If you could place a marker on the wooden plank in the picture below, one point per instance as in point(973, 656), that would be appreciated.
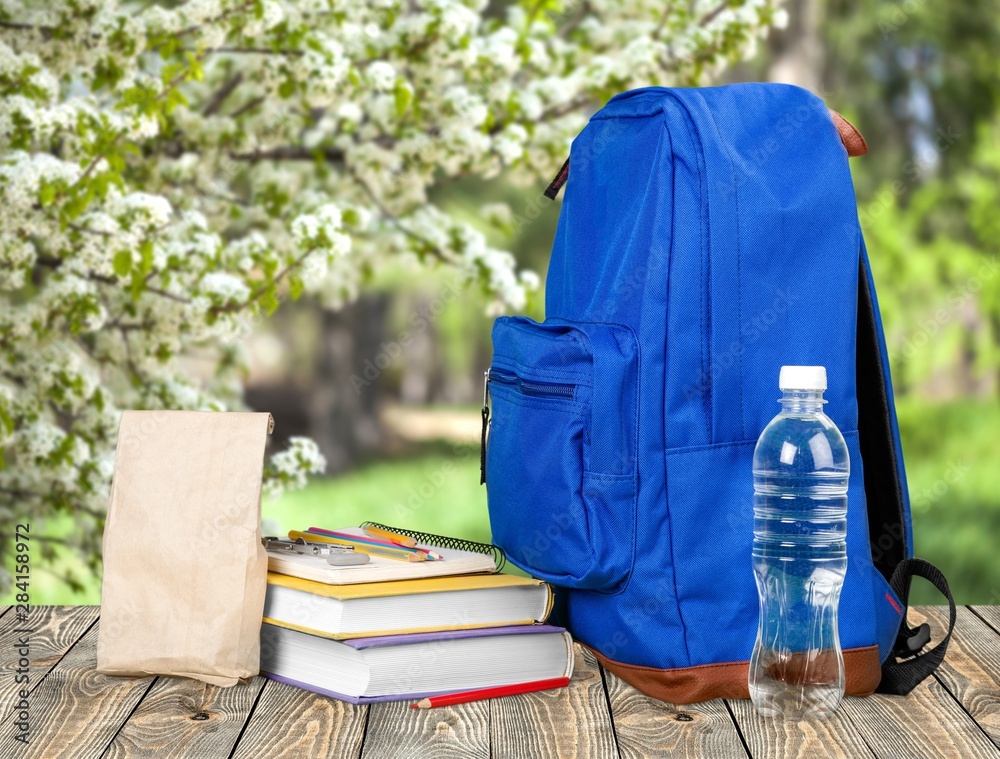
point(926, 723)
point(971, 668)
point(568, 722)
point(54, 630)
point(184, 717)
point(648, 727)
point(989, 613)
point(289, 723)
point(74, 711)
point(452, 732)
point(775, 738)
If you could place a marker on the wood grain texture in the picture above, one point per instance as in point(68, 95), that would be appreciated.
point(75, 711)
point(451, 732)
point(971, 668)
point(289, 723)
point(184, 717)
point(54, 630)
point(648, 727)
point(568, 723)
point(926, 723)
point(776, 738)
point(989, 613)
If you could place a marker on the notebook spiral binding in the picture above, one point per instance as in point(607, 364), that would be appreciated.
point(443, 541)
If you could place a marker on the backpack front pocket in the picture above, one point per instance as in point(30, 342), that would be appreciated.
point(560, 460)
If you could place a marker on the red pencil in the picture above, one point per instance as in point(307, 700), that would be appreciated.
point(484, 693)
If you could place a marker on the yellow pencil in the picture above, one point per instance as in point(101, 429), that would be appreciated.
point(392, 537)
point(400, 554)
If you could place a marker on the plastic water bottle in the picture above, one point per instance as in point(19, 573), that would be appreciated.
point(800, 472)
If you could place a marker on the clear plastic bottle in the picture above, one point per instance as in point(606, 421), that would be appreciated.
point(800, 473)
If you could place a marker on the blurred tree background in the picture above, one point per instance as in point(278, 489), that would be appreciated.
point(921, 81)
point(172, 172)
point(390, 386)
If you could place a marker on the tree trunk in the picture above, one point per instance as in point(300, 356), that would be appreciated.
point(349, 364)
point(797, 50)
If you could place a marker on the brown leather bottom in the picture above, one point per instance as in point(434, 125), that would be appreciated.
point(689, 685)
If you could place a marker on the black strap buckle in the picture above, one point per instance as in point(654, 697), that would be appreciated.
point(908, 667)
point(911, 643)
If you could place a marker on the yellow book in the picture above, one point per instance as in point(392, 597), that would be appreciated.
point(389, 608)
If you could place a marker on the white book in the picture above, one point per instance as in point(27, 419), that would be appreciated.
point(400, 667)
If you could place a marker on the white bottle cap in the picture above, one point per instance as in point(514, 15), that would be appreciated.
point(802, 378)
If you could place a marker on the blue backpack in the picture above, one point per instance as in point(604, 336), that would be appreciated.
point(707, 237)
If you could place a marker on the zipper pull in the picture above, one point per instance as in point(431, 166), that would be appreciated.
point(486, 424)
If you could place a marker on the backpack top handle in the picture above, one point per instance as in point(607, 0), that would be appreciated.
point(853, 141)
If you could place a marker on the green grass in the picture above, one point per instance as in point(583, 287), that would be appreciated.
point(953, 474)
point(436, 491)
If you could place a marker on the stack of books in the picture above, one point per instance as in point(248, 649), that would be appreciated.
point(393, 629)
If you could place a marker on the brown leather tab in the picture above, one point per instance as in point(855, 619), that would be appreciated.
point(849, 135)
point(689, 685)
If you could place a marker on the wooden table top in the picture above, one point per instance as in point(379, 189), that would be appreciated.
point(76, 712)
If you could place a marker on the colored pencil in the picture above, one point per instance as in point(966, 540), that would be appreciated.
point(400, 554)
point(432, 555)
point(363, 546)
point(392, 537)
point(360, 538)
point(484, 693)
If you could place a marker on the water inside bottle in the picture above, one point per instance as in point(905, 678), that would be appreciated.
point(801, 473)
point(798, 670)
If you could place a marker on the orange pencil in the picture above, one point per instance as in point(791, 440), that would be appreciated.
point(484, 693)
point(392, 537)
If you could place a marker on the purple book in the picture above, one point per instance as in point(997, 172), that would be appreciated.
point(416, 638)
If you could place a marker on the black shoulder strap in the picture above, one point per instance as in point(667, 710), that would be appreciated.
point(906, 667)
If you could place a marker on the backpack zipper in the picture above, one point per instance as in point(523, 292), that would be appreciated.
point(486, 426)
point(526, 387)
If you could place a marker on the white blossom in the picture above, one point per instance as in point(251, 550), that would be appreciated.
point(321, 230)
point(289, 468)
point(529, 280)
point(170, 172)
point(381, 75)
point(225, 287)
point(350, 112)
point(141, 208)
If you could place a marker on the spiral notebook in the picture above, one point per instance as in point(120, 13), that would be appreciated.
point(459, 557)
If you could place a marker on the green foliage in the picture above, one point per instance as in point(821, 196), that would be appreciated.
point(950, 453)
point(900, 68)
point(935, 253)
point(949, 450)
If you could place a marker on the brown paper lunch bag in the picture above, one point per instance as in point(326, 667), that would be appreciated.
point(184, 569)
